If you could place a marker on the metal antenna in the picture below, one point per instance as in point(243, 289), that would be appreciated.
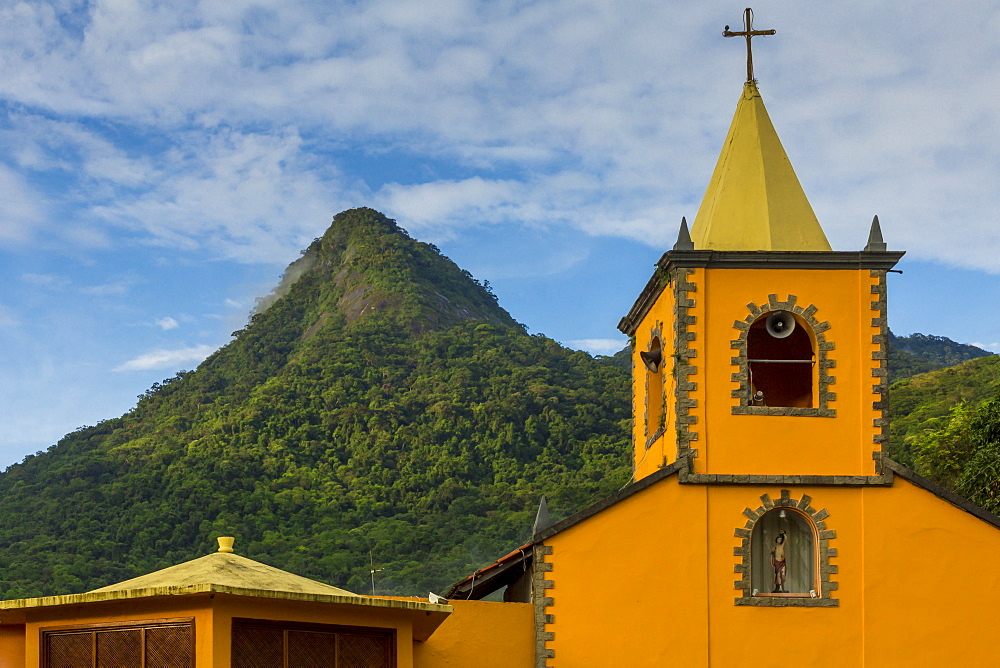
point(371, 559)
point(749, 33)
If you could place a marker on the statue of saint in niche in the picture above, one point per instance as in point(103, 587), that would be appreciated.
point(783, 554)
point(778, 563)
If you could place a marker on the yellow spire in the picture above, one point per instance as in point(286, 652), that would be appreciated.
point(754, 200)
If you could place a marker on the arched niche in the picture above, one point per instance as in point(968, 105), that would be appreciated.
point(788, 534)
point(808, 580)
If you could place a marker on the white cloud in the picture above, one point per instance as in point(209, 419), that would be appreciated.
point(441, 202)
point(114, 289)
point(21, 212)
point(219, 121)
point(166, 359)
point(45, 280)
point(8, 318)
point(245, 196)
point(167, 323)
point(598, 346)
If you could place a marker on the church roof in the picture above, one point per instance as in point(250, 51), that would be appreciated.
point(754, 200)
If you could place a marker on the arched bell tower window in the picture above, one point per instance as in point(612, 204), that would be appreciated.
point(652, 361)
point(783, 359)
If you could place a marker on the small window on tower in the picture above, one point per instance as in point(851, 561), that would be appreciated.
point(652, 360)
point(781, 361)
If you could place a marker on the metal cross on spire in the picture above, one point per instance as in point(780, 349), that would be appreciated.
point(749, 33)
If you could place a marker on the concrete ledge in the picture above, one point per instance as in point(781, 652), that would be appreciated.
point(686, 478)
point(782, 410)
point(787, 602)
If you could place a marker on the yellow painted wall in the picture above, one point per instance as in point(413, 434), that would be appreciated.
point(663, 450)
point(756, 444)
point(650, 581)
point(12, 645)
point(483, 634)
point(778, 444)
point(630, 583)
point(759, 636)
point(931, 581)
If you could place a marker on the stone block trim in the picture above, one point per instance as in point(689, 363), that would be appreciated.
point(824, 362)
point(683, 369)
point(822, 538)
point(880, 364)
point(542, 604)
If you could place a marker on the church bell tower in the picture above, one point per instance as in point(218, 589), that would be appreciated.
point(758, 350)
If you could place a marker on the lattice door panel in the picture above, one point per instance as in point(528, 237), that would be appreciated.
point(258, 647)
point(167, 643)
point(364, 651)
point(70, 650)
point(263, 644)
point(119, 649)
point(169, 647)
point(309, 649)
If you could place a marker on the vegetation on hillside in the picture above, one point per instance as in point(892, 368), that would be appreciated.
point(945, 425)
point(384, 408)
point(920, 353)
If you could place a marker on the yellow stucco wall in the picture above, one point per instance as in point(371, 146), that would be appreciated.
point(814, 636)
point(646, 460)
point(484, 634)
point(650, 581)
point(748, 444)
point(931, 581)
point(758, 444)
point(12, 645)
point(629, 583)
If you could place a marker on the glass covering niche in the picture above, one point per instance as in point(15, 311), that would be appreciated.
point(781, 362)
point(783, 555)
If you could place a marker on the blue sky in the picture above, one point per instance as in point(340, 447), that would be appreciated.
point(161, 162)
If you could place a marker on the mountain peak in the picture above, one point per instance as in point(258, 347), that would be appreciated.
point(365, 265)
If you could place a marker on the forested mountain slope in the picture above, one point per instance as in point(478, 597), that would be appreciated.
point(380, 406)
point(946, 425)
point(920, 353)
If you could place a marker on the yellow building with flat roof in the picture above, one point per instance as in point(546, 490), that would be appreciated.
point(225, 610)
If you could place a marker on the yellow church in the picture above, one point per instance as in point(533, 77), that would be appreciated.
point(763, 525)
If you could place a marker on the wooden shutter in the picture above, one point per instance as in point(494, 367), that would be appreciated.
point(147, 644)
point(364, 651)
point(266, 644)
point(69, 650)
